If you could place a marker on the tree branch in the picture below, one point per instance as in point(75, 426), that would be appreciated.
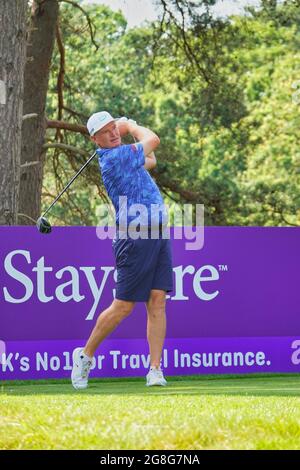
point(92, 34)
point(61, 74)
point(186, 46)
point(175, 187)
point(66, 147)
point(29, 116)
point(27, 164)
point(75, 113)
point(53, 124)
point(26, 217)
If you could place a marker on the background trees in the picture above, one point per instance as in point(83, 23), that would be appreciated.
point(223, 94)
point(12, 63)
point(41, 37)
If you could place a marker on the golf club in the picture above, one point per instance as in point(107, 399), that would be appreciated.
point(42, 223)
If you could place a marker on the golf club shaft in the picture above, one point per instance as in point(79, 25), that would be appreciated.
point(70, 182)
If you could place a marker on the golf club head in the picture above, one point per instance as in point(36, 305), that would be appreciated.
point(43, 225)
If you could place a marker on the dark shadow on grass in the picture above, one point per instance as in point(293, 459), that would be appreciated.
point(258, 386)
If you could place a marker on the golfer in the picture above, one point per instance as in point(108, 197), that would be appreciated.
point(144, 264)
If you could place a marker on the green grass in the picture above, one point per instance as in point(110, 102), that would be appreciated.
point(211, 412)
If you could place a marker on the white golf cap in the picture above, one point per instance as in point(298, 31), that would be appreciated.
point(97, 121)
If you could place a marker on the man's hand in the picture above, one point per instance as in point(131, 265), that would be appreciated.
point(124, 125)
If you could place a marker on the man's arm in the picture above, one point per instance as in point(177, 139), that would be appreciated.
point(148, 139)
point(145, 136)
point(150, 161)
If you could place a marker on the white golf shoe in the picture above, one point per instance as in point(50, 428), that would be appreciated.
point(155, 377)
point(81, 369)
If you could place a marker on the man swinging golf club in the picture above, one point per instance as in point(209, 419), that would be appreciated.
point(144, 264)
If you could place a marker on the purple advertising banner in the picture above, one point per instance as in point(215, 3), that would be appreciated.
point(235, 306)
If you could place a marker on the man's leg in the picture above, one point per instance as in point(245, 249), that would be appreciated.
point(107, 321)
point(156, 325)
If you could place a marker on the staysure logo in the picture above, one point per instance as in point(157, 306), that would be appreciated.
point(35, 282)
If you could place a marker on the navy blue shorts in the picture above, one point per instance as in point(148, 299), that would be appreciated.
point(142, 265)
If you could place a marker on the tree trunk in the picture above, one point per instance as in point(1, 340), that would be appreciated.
point(12, 64)
point(44, 16)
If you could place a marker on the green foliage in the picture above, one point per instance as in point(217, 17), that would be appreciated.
point(227, 115)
